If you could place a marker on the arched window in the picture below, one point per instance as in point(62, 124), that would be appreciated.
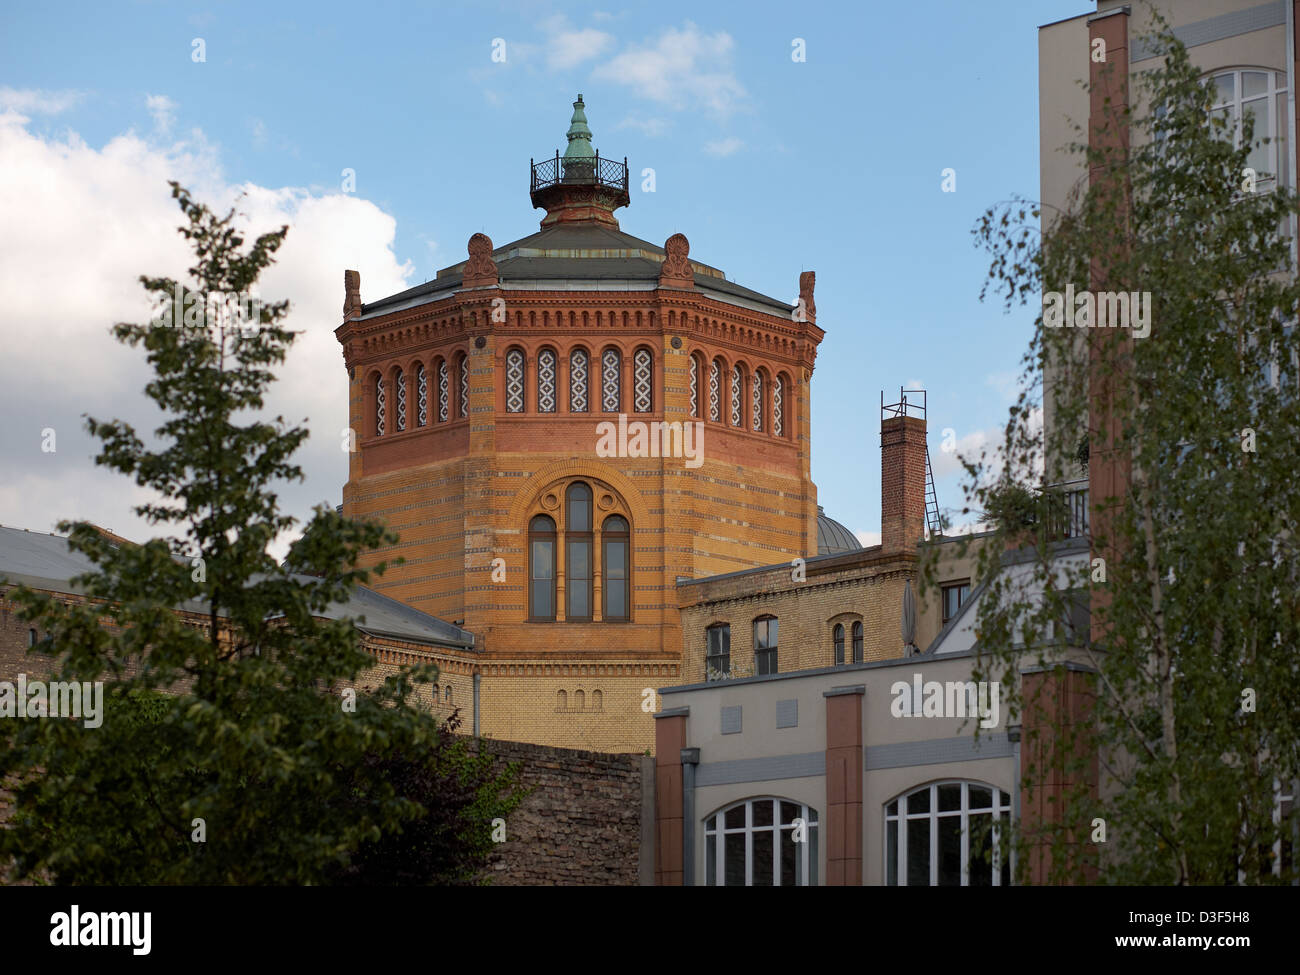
point(380, 407)
point(421, 395)
point(717, 651)
point(577, 552)
point(765, 633)
point(579, 700)
point(561, 701)
point(857, 642)
point(613, 560)
point(400, 383)
point(462, 367)
point(546, 381)
point(446, 694)
point(515, 381)
point(947, 834)
point(611, 391)
point(597, 701)
point(578, 381)
point(1261, 95)
point(737, 395)
point(541, 568)
point(756, 397)
point(695, 386)
point(31, 638)
point(444, 392)
point(839, 643)
point(768, 842)
point(437, 695)
point(642, 381)
point(715, 391)
point(778, 405)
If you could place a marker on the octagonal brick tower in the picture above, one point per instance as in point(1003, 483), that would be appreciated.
point(561, 427)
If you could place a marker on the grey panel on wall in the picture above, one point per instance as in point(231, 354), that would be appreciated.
point(731, 720)
point(787, 713)
point(937, 750)
point(737, 770)
point(1217, 28)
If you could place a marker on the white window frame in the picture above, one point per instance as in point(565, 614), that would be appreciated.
point(1001, 803)
point(1279, 175)
point(720, 832)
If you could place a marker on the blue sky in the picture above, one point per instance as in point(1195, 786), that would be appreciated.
point(769, 166)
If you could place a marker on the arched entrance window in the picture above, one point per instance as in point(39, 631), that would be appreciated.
point(947, 834)
point(767, 842)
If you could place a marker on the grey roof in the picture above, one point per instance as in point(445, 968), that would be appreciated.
point(45, 561)
point(575, 252)
point(832, 537)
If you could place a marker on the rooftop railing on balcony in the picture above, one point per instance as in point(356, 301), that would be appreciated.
point(582, 171)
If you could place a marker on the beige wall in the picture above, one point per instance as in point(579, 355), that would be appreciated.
point(760, 738)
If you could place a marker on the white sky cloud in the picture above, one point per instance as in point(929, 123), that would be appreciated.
point(163, 110)
point(723, 147)
point(567, 48)
point(91, 221)
point(37, 102)
point(684, 68)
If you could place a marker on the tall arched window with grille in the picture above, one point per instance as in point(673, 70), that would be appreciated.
point(381, 406)
point(462, 367)
point(715, 391)
point(515, 381)
point(444, 392)
point(421, 395)
point(577, 552)
point(546, 381)
point(642, 381)
point(737, 395)
point(778, 405)
point(756, 406)
point(614, 557)
point(579, 381)
point(541, 568)
point(695, 386)
point(611, 389)
point(400, 383)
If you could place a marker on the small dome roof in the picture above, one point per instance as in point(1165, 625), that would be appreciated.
point(832, 537)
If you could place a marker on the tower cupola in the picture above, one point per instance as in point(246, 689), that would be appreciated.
point(579, 186)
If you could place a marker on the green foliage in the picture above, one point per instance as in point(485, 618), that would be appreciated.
point(250, 736)
point(1198, 601)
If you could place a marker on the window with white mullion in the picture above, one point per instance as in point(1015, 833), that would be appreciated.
point(928, 836)
point(749, 840)
point(1262, 94)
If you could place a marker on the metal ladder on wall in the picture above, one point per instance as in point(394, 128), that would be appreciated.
point(933, 521)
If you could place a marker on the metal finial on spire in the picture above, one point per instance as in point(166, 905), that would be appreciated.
point(579, 134)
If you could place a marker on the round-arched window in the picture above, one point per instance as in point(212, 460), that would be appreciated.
point(766, 842)
point(948, 834)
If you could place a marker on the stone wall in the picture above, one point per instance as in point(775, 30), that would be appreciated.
point(588, 820)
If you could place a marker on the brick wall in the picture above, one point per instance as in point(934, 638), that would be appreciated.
point(582, 824)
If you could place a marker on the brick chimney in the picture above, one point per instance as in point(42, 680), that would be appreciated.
point(902, 481)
